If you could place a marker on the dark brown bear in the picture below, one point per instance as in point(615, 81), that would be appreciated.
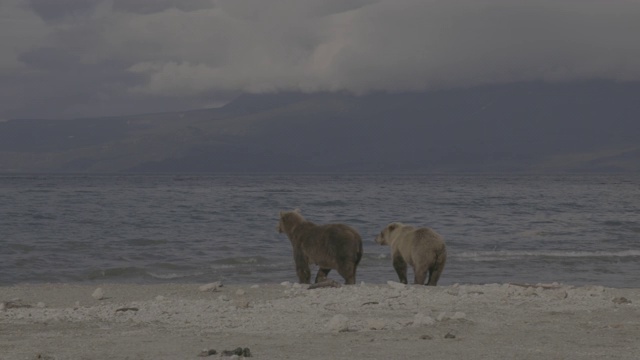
point(331, 246)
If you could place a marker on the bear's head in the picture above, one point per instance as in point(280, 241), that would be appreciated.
point(385, 235)
point(288, 220)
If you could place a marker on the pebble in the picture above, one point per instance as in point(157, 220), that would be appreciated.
point(159, 298)
point(285, 283)
point(442, 316)
point(41, 305)
point(450, 335)
point(210, 286)
point(240, 292)
point(396, 285)
point(207, 352)
point(621, 300)
point(242, 304)
point(458, 315)
point(255, 286)
point(338, 323)
point(421, 319)
point(237, 352)
point(98, 294)
point(376, 324)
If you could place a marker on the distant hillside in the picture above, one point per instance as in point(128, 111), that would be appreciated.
point(586, 127)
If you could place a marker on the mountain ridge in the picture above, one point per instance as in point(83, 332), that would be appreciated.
point(526, 127)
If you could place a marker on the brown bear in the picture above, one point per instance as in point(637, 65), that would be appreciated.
point(422, 248)
point(330, 246)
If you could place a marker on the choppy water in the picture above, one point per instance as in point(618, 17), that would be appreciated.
point(574, 229)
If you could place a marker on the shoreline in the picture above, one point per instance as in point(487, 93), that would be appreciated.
point(289, 321)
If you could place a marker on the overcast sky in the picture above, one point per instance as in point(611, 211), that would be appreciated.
point(76, 58)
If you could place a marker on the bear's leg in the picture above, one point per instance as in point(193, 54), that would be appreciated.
point(302, 268)
point(434, 274)
point(420, 274)
point(348, 272)
point(322, 275)
point(436, 270)
point(401, 267)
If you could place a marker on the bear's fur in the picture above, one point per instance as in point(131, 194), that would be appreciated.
point(422, 248)
point(331, 246)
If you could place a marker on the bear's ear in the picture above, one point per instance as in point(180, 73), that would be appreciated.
point(296, 210)
point(392, 226)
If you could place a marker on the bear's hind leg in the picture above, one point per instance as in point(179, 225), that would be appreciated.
point(436, 270)
point(420, 274)
point(401, 267)
point(434, 275)
point(348, 272)
point(322, 275)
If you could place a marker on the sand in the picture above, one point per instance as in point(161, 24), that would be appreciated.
point(290, 321)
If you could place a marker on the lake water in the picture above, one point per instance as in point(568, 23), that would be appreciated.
point(572, 229)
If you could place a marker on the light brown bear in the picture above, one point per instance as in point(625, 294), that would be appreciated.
point(331, 246)
point(422, 248)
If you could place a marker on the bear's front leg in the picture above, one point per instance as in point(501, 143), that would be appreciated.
point(302, 268)
point(401, 267)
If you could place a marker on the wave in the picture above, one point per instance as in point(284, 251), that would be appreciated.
point(119, 272)
point(511, 255)
point(242, 260)
point(172, 276)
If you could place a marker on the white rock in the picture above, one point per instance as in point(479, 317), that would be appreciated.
point(458, 315)
point(376, 324)
point(285, 283)
point(255, 286)
point(3, 306)
point(223, 298)
point(338, 323)
point(421, 319)
point(98, 294)
point(453, 291)
point(396, 285)
point(442, 316)
point(41, 305)
point(210, 286)
point(240, 292)
point(159, 298)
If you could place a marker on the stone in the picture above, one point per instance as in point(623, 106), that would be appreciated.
point(98, 294)
point(376, 324)
point(207, 352)
point(338, 323)
point(458, 315)
point(396, 285)
point(214, 286)
point(621, 300)
point(421, 319)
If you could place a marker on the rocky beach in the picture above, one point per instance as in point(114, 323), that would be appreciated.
point(291, 321)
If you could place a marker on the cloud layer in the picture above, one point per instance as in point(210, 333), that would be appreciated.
point(107, 57)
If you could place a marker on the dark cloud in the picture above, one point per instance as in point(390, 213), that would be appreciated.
point(54, 10)
point(153, 6)
point(100, 57)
